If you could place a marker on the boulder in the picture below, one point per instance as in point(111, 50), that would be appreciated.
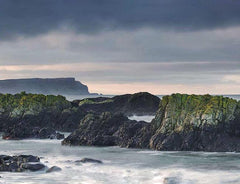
point(53, 169)
point(171, 180)
point(46, 133)
point(89, 160)
point(32, 166)
point(20, 163)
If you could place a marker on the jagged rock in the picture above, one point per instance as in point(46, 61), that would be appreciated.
point(183, 122)
point(53, 169)
point(96, 130)
point(106, 130)
point(89, 160)
point(197, 123)
point(27, 115)
point(24, 130)
point(20, 163)
point(32, 166)
point(46, 133)
point(22, 115)
point(131, 104)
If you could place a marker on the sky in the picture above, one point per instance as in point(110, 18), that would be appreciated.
point(126, 46)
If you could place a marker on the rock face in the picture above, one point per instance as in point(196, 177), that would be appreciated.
point(136, 104)
point(50, 86)
point(39, 116)
point(106, 130)
point(22, 131)
point(198, 123)
point(20, 163)
point(33, 115)
point(183, 122)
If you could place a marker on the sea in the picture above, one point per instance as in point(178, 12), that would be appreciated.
point(121, 165)
point(79, 97)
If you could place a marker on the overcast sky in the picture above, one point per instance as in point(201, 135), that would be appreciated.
point(124, 46)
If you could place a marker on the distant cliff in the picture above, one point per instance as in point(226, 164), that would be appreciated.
point(55, 86)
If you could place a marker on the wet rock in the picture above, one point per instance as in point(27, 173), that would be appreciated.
point(32, 166)
point(171, 180)
point(28, 158)
point(20, 163)
point(59, 136)
point(196, 123)
point(46, 133)
point(142, 103)
point(53, 169)
point(108, 129)
point(89, 160)
point(23, 131)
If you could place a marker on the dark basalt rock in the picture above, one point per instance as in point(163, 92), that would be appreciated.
point(38, 116)
point(106, 130)
point(20, 163)
point(53, 169)
point(24, 115)
point(182, 123)
point(32, 167)
point(197, 123)
point(89, 160)
point(131, 104)
point(24, 130)
point(46, 133)
point(96, 130)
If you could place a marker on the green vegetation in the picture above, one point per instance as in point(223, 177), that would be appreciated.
point(182, 112)
point(23, 103)
point(91, 101)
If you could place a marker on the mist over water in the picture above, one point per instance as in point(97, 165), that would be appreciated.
point(121, 165)
point(147, 119)
point(79, 97)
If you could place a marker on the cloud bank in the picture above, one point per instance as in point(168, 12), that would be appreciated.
point(30, 18)
point(124, 46)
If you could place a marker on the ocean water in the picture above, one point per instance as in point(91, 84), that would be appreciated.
point(79, 97)
point(147, 119)
point(121, 165)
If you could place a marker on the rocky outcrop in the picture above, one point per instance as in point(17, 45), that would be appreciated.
point(48, 86)
point(130, 104)
point(182, 123)
point(30, 115)
point(20, 163)
point(106, 130)
point(197, 123)
point(37, 116)
point(23, 131)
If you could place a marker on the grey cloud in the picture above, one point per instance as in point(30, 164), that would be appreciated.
point(163, 73)
point(144, 45)
point(33, 17)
